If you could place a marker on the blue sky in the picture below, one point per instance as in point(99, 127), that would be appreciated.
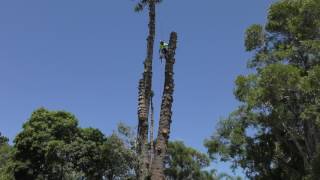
point(86, 57)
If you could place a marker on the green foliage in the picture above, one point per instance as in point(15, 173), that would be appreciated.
point(3, 140)
point(98, 156)
point(254, 37)
point(42, 146)
point(297, 19)
point(184, 163)
point(120, 160)
point(86, 153)
point(5, 153)
point(52, 146)
point(275, 131)
point(290, 35)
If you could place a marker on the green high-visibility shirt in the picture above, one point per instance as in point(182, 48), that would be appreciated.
point(164, 45)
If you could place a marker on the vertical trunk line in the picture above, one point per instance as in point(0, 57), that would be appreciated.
point(157, 172)
point(146, 81)
point(151, 133)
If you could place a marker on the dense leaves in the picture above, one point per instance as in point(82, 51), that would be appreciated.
point(254, 37)
point(274, 134)
point(42, 146)
point(3, 140)
point(52, 146)
point(5, 150)
point(183, 163)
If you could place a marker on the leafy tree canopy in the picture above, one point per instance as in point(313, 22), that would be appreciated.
point(52, 146)
point(184, 162)
point(274, 133)
point(5, 150)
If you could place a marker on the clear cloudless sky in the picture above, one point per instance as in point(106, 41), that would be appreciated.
point(86, 57)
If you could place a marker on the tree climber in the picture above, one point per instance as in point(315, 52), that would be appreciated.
point(163, 49)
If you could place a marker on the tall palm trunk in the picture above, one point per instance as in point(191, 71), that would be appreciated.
point(157, 172)
point(151, 133)
point(145, 88)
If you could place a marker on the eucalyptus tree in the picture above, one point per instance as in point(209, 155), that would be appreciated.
point(274, 134)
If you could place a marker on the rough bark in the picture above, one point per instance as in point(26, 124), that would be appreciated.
point(142, 126)
point(145, 89)
point(157, 172)
point(151, 148)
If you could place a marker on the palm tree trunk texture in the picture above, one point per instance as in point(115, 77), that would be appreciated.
point(157, 172)
point(151, 134)
point(145, 89)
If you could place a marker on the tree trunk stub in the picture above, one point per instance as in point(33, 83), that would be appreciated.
point(144, 107)
point(157, 172)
